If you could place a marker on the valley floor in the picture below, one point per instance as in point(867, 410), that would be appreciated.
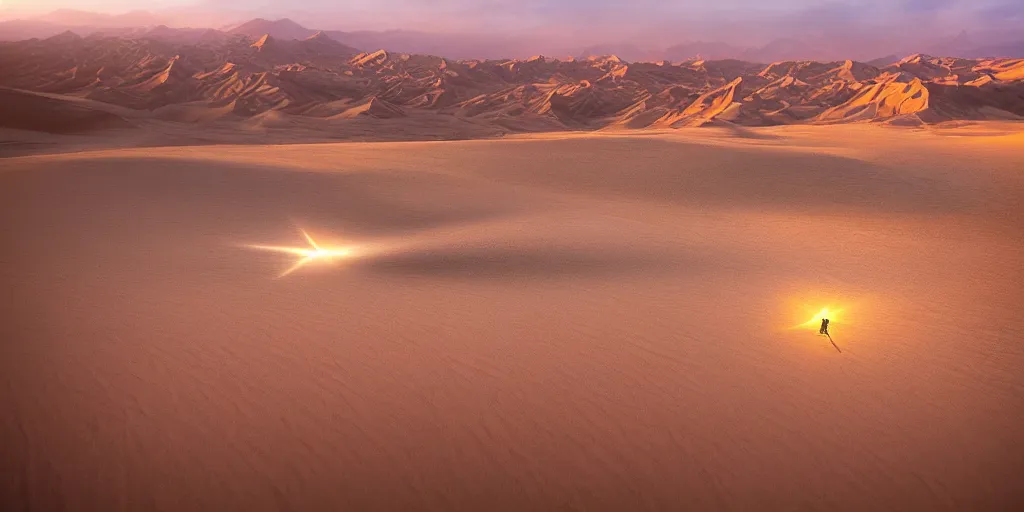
point(583, 321)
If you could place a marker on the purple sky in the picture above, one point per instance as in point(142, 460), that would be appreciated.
point(644, 22)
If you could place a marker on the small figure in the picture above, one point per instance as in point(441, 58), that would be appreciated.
point(824, 327)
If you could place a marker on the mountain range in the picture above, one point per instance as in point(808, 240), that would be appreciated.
point(271, 73)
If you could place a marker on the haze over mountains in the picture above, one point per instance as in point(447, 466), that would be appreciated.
point(280, 75)
point(818, 34)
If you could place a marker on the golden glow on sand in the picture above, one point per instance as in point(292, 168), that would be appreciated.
point(306, 255)
point(834, 316)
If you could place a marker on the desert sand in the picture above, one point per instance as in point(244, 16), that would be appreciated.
point(598, 321)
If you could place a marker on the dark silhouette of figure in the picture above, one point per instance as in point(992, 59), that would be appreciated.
point(824, 331)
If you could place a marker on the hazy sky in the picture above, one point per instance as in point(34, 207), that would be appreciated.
point(742, 21)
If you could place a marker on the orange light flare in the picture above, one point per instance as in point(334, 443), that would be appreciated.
point(314, 253)
point(834, 315)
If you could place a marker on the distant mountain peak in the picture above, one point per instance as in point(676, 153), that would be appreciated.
point(64, 37)
point(915, 58)
point(263, 41)
point(319, 36)
point(281, 29)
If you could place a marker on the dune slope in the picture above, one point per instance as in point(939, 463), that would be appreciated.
point(20, 110)
point(598, 322)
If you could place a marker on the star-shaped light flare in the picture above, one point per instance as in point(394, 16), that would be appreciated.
point(307, 255)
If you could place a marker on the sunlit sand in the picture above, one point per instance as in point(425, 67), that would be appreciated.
point(609, 321)
point(306, 255)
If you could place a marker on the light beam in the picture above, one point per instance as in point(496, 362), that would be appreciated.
point(306, 255)
point(814, 323)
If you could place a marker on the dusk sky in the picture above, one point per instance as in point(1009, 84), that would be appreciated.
point(737, 21)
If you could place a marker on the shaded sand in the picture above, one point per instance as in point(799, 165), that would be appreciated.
point(571, 322)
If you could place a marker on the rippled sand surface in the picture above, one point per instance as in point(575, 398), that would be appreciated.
point(600, 322)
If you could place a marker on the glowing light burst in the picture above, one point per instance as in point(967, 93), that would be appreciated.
point(307, 255)
point(834, 316)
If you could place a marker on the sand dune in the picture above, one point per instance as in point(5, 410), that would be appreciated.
point(561, 321)
point(26, 111)
point(373, 108)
